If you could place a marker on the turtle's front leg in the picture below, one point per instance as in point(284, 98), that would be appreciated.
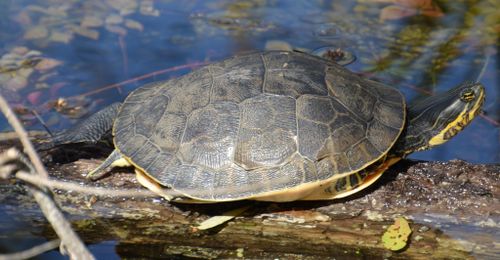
point(90, 130)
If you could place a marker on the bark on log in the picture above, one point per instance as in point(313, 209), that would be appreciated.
point(453, 208)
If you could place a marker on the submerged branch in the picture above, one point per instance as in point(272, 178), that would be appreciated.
point(34, 251)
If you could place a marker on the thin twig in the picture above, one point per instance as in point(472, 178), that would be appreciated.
point(72, 243)
point(23, 136)
point(490, 120)
point(123, 50)
point(70, 240)
point(483, 69)
point(42, 122)
point(97, 191)
point(32, 252)
point(145, 76)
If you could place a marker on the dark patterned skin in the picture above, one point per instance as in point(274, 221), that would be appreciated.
point(258, 124)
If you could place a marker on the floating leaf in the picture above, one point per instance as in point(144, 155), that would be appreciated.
point(85, 32)
point(64, 37)
point(394, 12)
point(91, 21)
point(117, 29)
point(147, 8)
point(32, 53)
point(75, 108)
point(414, 3)
point(124, 6)
point(36, 8)
point(404, 8)
point(36, 32)
point(45, 77)
point(20, 50)
point(19, 62)
point(134, 25)
point(376, 1)
point(396, 236)
point(21, 110)
point(57, 11)
point(432, 12)
point(54, 89)
point(47, 64)
point(25, 72)
point(16, 83)
point(114, 19)
point(34, 97)
point(23, 18)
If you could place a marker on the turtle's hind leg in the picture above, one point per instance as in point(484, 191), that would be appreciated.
point(90, 130)
point(115, 159)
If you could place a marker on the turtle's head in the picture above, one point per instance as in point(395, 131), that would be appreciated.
point(434, 120)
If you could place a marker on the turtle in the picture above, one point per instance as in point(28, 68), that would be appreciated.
point(272, 126)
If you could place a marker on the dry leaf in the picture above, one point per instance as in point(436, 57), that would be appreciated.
point(32, 54)
point(57, 11)
point(394, 12)
point(396, 236)
point(42, 85)
point(25, 72)
point(64, 37)
point(124, 6)
point(36, 32)
point(91, 21)
point(117, 29)
point(36, 8)
point(414, 3)
point(47, 64)
point(434, 12)
point(9, 58)
point(34, 97)
point(219, 220)
point(85, 32)
point(114, 19)
point(20, 50)
point(376, 1)
point(16, 83)
point(134, 25)
point(21, 110)
point(54, 89)
point(147, 8)
point(23, 18)
point(45, 76)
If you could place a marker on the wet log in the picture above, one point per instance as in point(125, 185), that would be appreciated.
point(453, 209)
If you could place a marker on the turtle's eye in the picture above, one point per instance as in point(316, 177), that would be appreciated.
point(467, 95)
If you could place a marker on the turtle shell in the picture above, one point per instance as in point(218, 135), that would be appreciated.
point(257, 125)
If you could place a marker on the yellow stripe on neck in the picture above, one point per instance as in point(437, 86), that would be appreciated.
point(454, 127)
